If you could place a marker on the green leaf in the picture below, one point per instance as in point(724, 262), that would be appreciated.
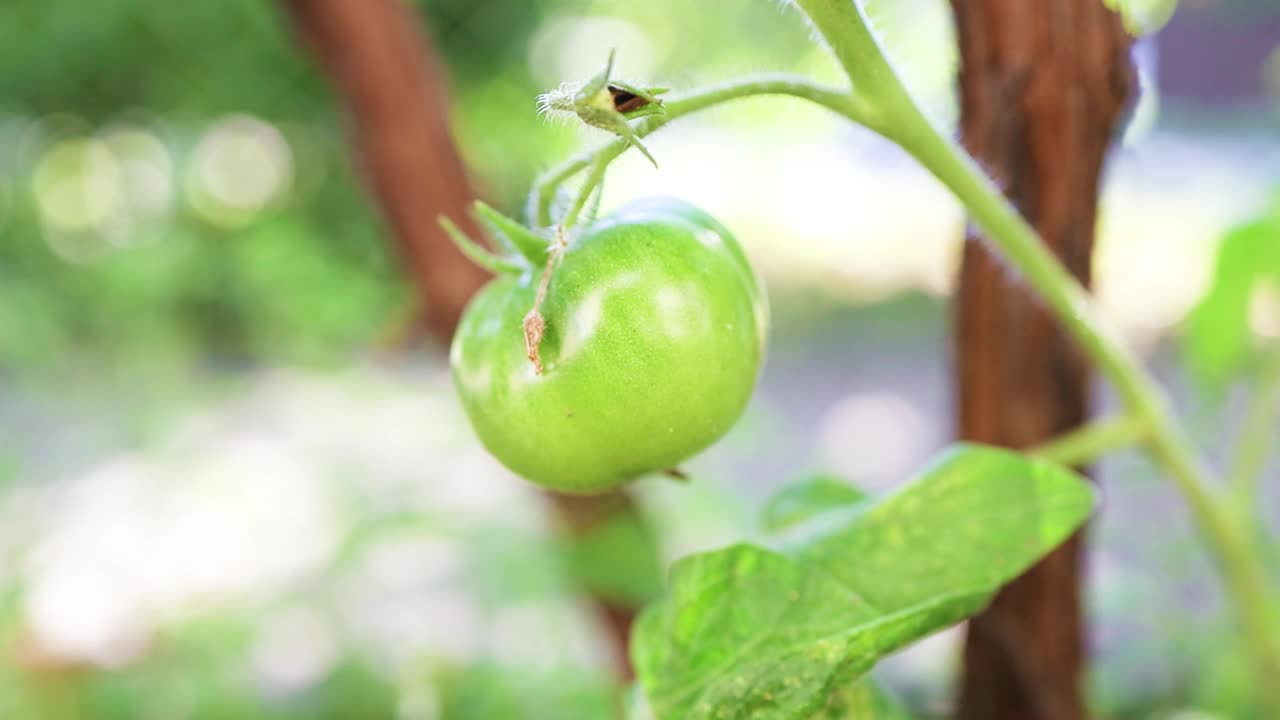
point(800, 501)
point(750, 632)
point(863, 700)
point(1218, 341)
point(1144, 17)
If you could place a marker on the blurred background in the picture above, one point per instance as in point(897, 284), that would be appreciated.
point(230, 487)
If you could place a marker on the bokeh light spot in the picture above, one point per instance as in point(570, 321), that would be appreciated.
point(77, 185)
point(146, 169)
point(240, 166)
point(873, 437)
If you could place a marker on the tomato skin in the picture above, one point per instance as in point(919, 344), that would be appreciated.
point(655, 334)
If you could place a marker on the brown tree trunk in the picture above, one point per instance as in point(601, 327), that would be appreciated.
point(1043, 84)
point(386, 72)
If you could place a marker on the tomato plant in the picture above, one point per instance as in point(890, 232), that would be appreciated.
point(652, 331)
point(787, 627)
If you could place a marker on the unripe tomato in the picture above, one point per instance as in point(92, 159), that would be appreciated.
point(654, 337)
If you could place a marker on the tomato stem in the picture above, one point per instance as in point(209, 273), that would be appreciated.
point(1239, 558)
point(679, 105)
point(594, 180)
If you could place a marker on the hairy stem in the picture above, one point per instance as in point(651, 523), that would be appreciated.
point(677, 106)
point(584, 193)
point(1239, 559)
point(843, 26)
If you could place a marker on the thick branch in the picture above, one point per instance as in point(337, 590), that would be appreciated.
point(1041, 91)
point(386, 73)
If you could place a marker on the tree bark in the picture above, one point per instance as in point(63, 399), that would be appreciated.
point(1043, 85)
point(386, 72)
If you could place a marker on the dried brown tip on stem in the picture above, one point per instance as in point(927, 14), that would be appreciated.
point(534, 326)
point(676, 474)
point(625, 101)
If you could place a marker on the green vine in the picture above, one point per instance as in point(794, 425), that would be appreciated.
point(839, 101)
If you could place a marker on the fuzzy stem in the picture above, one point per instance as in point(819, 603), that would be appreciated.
point(584, 193)
point(1239, 560)
point(839, 101)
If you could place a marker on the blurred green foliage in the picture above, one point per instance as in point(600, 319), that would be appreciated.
point(1219, 341)
point(307, 276)
point(490, 692)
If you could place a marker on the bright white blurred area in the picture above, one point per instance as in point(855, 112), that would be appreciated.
point(838, 209)
point(346, 511)
point(818, 203)
point(822, 206)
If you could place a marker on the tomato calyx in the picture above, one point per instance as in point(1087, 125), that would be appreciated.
point(521, 248)
point(608, 104)
point(478, 254)
point(512, 234)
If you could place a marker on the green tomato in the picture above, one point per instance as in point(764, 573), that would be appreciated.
point(655, 333)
